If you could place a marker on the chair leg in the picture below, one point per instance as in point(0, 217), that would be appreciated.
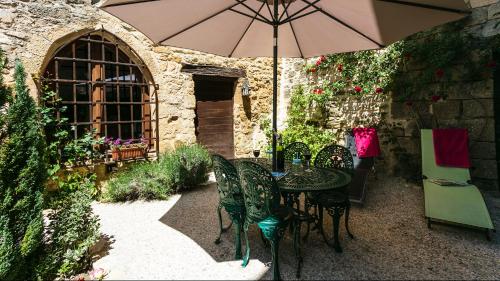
point(336, 222)
point(297, 247)
point(237, 242)
point(347, 209)
point(246, 258)
point(275, 258)
point(219, 215)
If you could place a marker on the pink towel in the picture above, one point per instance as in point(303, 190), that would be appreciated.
point(451, 147)
point(367, 143)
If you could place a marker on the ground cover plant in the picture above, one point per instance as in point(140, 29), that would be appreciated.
point(182, 169)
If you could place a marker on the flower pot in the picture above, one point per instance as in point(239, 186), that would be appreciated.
point(127, 153)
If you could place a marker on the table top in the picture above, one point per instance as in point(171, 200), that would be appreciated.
point(298, 178)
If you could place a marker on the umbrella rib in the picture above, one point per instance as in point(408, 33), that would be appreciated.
point(288, 17)
point(250, 16)
point(295, 36)
point(242, 2)
point(343, 23)
point(286, 9)
point(269, 9)
point(426, 6)
point(202, 21)
point(246, 30)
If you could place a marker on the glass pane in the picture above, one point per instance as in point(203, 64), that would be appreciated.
point(83, 113)
point(82, 71)
point(111, 112)
point(112, 131)
point(110, 71)
point(109, 53)
point(137, 93)
point(125, 114)
point(111, 94)
point(82, 93)
point(137, 75)
point(65, 70)
point(126, 131)
point(124, 94)
point(137, 130)
point(124, 73)
point(81, 50)
point(137, 112)
point(66, 91)
point(122, 57)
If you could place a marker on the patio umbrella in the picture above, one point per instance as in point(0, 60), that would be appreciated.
point(306, 28)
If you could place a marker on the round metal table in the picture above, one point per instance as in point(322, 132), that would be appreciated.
point(298, 179)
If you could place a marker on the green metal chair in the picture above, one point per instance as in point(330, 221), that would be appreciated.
point(462, 204)
point(230, 198)
point(294, 149)
point(262, 202)
point(335, 202)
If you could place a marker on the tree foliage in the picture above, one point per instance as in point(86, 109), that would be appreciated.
point(22, 177)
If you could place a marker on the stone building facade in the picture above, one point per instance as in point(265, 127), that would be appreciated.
point(33, 30)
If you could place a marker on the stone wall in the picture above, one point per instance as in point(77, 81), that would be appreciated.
point(469, 104)
point(31, 30)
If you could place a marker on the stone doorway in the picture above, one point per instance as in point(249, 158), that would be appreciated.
point(214, 120)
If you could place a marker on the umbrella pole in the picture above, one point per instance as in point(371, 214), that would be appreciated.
point(275, 81)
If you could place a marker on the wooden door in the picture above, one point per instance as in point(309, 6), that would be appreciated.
point(214, 114)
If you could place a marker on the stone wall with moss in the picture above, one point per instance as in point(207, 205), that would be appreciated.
point(32, 30)
point(461, 94)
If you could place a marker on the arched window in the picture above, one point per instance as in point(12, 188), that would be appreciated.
point(105, 87)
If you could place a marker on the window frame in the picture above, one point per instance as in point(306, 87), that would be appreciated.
point(97, 82)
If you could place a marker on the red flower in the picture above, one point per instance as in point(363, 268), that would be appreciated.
point(435, 98)
point(358, 89)
point(318, 91)
point(340, 68)
point(409, 103)
point(439, 73)
point(318, 63)
point(492, 64)
point(379, 90)
point(312, 69)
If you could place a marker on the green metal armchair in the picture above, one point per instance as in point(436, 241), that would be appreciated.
point(334, 202)
point(230, 198)
point(296, 148)
point(262, 202)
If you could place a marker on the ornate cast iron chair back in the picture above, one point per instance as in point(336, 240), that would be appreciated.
point(261, 193)
point(296, 147)
point(335, 157)
point(228, 182)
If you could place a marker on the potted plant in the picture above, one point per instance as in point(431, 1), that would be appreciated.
point(126, 150)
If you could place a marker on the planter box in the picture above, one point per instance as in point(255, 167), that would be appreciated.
point(128, 153)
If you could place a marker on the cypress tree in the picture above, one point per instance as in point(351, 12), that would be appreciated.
point(22, 177)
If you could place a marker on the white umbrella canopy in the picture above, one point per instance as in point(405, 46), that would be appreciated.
point(299, 28)
point(307, 28)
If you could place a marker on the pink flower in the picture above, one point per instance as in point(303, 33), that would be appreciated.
point(379, 90)
point(340, 67)
point(118, 141)
point(439, 73)
point(358, 89)
point(98, 274)
point(435, 98)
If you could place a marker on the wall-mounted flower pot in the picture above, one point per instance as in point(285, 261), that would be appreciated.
point(128, 153)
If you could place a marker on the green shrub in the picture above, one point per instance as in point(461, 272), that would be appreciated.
point(184, 168)
point(72, 231)
point(22, 177)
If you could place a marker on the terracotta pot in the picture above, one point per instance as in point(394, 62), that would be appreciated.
point(127, 153)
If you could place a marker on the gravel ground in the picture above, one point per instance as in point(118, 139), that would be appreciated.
point(392, 241)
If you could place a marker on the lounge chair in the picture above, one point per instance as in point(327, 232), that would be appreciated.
point(460, 204)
